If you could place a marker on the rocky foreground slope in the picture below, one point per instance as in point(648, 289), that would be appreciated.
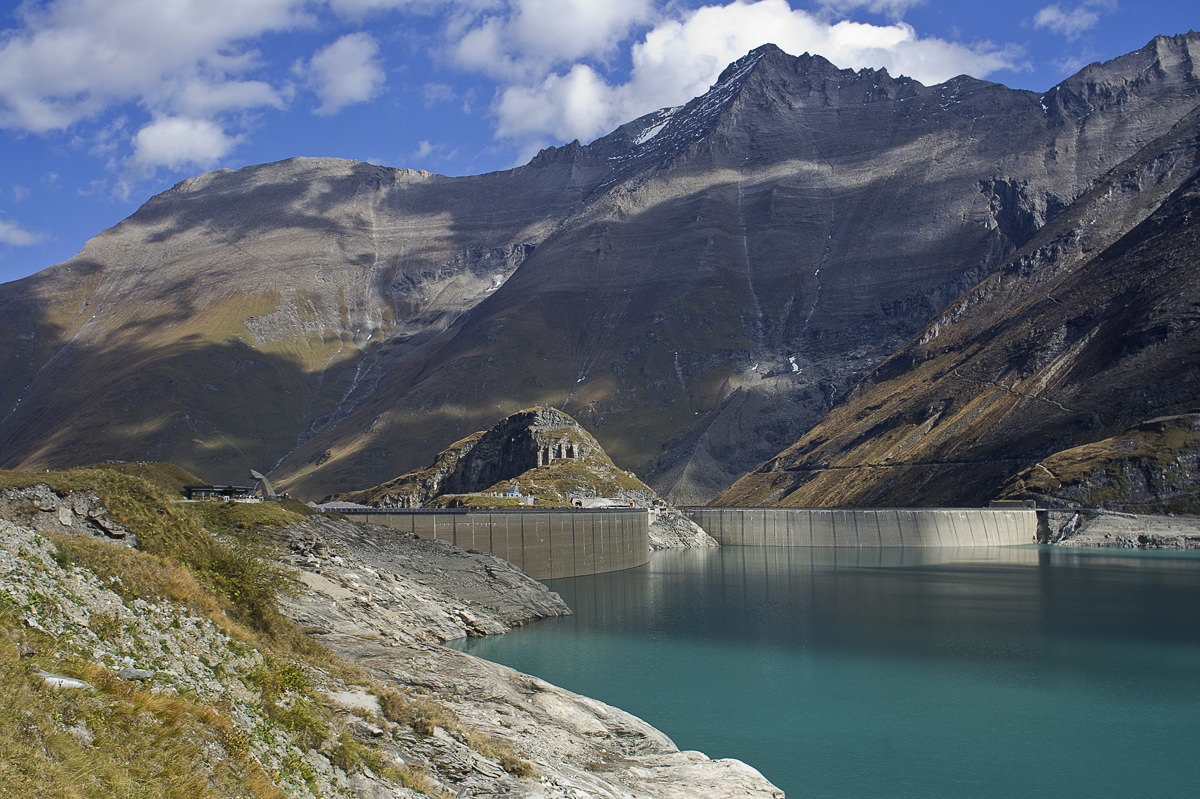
point(122, 675)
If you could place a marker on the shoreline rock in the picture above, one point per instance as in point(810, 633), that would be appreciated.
point(1110, 529)
point(379, 583)
point(671, 529)
point(373, 577)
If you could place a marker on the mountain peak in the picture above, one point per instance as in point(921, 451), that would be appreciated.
point(743, 65)
point(1162, 58)
point(770, 55)
point(699, 287)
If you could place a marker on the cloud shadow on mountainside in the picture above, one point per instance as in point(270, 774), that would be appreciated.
point(215, 409)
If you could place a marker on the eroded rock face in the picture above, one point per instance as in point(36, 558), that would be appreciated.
point(516, 444)
point(1082, 338)
point(1110, 530)
point(77, 513)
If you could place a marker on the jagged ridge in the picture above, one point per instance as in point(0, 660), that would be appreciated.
point(699, 298)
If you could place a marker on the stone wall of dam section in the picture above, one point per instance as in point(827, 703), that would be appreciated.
point(868, 527)
point(545, 544)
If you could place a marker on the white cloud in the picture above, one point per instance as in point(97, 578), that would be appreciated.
point(71, 59)
point(564, 106)
point(357, 9)
point(569, 29)
point(14, 235)
point(178, 142)
point(890, 8)
point(428, 152)
point(198, 97)
point(346, 72)
point(537, 35)
point(437, 93)
point(680, 58)
point(1073, 22)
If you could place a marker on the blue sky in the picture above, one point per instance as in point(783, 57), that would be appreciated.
point(104, 103)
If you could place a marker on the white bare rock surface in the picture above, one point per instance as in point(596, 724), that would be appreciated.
point(385, 598)
point(374, 582)
point(77, 513)
point(1097, 528)
point(670, 529)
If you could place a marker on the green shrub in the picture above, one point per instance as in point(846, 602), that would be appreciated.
point(422, 715)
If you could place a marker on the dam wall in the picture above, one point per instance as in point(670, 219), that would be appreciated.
point(545, 544)
point(873, 527)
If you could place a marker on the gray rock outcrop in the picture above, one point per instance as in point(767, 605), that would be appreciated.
point(77, 513)
point(375, 582)
point(1092, 527)
point(671, 529)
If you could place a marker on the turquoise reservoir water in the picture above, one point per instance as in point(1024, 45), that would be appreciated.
point(1011, 672)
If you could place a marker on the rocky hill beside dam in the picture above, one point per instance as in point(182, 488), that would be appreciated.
point(537, 456)
point(700, 288)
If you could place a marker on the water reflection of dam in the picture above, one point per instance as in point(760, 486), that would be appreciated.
point(871, 527)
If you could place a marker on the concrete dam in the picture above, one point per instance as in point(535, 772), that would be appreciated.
point(569, 542)
point(545, 544)
point(871, 527)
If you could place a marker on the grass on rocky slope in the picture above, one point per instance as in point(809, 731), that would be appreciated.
point(123, 739)
point(132, 739)
point(1151, 468)
point(118, 740)
point(227, 557)
point(554, 485)
point(425, 716)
